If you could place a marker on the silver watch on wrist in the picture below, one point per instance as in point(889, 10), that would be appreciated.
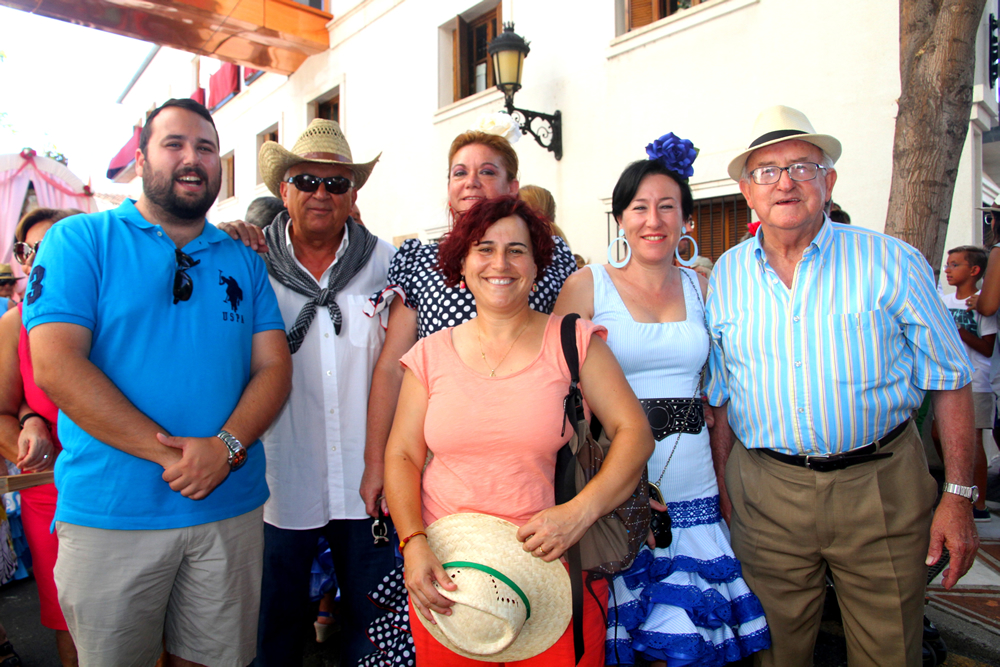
point(970, 492)
point(237, 452)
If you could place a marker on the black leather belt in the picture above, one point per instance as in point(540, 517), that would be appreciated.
point(845, 460)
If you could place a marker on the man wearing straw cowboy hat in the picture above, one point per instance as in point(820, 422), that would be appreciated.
point(161, 400)
point(825, 338)
point(323, 265)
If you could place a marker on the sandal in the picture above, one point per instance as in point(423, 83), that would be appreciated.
point(12, 659)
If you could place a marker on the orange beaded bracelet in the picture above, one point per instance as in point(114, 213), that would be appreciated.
point(403, 542)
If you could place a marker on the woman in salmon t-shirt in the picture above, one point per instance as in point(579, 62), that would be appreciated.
point(485, 397)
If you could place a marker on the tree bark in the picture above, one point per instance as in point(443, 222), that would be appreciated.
point(937, 60)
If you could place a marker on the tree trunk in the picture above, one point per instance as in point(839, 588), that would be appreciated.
point(937, 60)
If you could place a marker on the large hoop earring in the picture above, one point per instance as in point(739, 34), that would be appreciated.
point(694, 255)
point(628, 251)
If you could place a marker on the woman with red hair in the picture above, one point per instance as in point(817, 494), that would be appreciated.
point(486, 399)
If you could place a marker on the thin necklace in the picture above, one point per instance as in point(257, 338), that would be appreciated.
point(479, 335)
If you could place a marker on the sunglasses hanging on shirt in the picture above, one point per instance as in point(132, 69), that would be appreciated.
point(183, 284)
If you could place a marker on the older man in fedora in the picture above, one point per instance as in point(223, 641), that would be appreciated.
point(825, 338)
point(323, 265)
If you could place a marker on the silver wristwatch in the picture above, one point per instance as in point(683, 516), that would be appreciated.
point(970, 492)
point(237, 452)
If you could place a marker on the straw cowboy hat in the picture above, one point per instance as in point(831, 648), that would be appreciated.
point(6, 273)
point(509, 605)
point(323, 142)
point(780, 123)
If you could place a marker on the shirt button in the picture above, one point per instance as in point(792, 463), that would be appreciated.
point(798, 363)
point(333, 449)
point(796, 318)
point(159, 233)
point(801, 410)
point(326, 335)
point(331, 411)
point(329, 372)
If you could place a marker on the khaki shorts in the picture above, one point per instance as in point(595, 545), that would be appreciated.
point(126, 592)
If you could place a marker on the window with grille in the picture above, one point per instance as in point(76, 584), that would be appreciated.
point(719, 224)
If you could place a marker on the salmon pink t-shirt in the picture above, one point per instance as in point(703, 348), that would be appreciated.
point(495, 439)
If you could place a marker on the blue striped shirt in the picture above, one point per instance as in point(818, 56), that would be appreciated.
point(838, 359)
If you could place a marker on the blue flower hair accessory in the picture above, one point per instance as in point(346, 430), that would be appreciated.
point(674, 153)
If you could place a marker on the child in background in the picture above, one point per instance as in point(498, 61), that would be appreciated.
point(964, 268)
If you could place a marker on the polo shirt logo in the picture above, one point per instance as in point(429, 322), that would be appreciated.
point(35, 284)
point(234, 295)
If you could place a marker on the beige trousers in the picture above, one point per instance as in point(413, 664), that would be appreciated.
point(869, 524)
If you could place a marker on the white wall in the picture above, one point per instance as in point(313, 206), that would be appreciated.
point(704, 74)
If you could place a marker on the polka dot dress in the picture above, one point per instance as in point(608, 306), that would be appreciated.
point(413, 277)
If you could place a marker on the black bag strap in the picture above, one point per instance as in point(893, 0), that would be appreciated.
point(573, 406)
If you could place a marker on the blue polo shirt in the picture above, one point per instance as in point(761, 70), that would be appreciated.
point(184, 365)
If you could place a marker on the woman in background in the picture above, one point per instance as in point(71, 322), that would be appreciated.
point(28, 432)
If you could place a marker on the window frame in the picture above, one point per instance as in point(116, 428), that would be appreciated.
point(463, 49)
point(228, 163)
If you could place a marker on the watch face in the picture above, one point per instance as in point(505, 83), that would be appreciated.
point(975, 494)
point(238, 458)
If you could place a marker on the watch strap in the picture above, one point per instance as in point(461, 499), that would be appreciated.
point(237, 452)
point(969, 492)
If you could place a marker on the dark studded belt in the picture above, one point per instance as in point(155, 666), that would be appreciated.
point(844, 460)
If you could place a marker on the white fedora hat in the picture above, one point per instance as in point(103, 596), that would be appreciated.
point(780, 123)
point(324, 142)
point(509, 605)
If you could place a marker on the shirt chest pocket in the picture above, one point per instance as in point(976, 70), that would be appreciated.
point(862, 345)
point(362, 330)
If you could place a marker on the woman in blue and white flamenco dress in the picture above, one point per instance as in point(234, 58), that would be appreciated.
point(686, 604)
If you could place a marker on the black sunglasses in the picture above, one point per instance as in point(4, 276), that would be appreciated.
point(335, 185)
point(183, 285)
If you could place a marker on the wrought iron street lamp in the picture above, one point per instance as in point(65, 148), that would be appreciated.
point(508, 51)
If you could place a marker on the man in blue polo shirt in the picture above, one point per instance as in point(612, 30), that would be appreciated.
point(161, 342)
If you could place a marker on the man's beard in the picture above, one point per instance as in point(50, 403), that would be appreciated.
point(159, 189)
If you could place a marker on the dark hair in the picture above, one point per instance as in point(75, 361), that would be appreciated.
point(840, 215)
point(38, 215)
point(472, 225)
point(974, 255)
point(502, 147)
point(262, 211)
point(190, 105)
point(628, 183)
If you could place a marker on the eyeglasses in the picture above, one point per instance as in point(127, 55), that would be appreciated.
point(335, 185)
point(800, 171)
point(22, 251)
point(183, 285)
point(955, 265)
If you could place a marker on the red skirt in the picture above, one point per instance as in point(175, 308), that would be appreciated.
point(38, 508)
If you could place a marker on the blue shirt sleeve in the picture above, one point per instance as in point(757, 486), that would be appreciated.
point(266, 313)
point(64, 282)
point(939, 358)
point(716, 388)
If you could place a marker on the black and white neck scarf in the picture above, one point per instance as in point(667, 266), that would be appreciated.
point(283, 268)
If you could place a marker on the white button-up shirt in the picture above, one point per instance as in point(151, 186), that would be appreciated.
point(315, 448)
